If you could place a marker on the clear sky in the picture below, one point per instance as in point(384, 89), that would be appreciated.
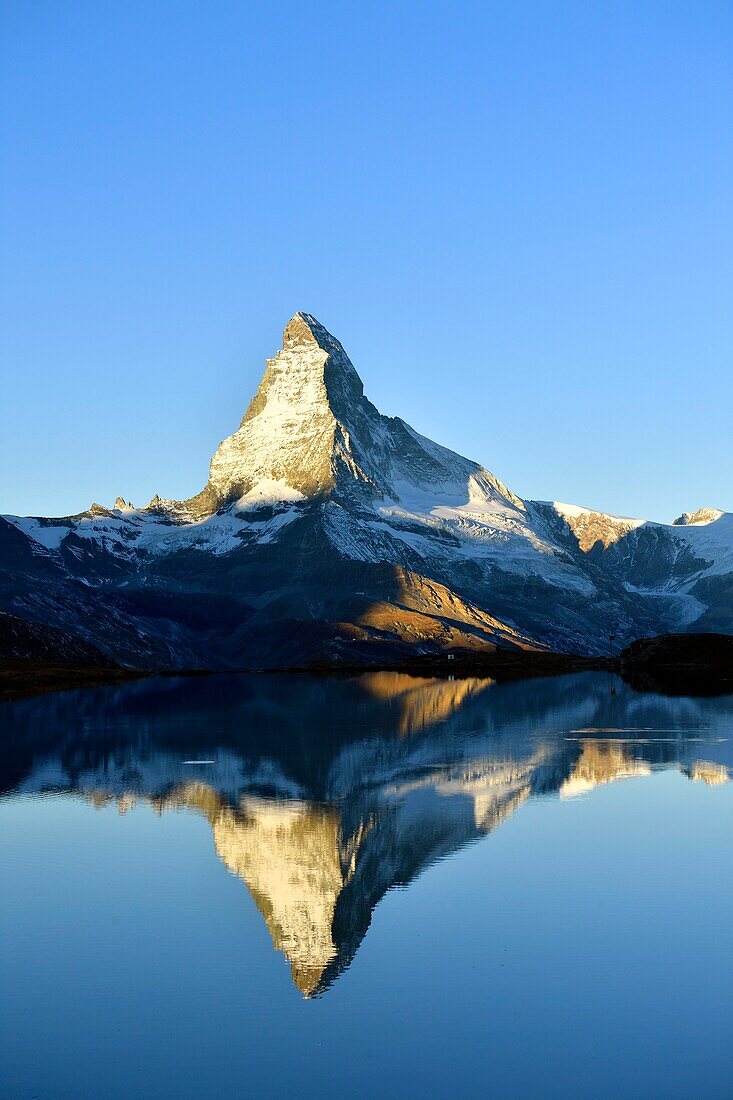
point(517, 218)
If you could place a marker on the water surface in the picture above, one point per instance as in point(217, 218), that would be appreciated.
point(292, 886)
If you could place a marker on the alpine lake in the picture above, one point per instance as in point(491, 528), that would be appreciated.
point(376, 885)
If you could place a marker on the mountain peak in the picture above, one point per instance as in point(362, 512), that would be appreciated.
point(310, 430)
point(290, 430)
point(303, 328)
point(699, 518)
point(304, 333)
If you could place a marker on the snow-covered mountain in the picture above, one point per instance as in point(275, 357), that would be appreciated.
point(329, 531)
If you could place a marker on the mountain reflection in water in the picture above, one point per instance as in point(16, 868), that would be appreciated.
point(322, 794)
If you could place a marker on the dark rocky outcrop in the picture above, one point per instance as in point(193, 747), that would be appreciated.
point(23, 640)
point(681, 664)
point(36, 658)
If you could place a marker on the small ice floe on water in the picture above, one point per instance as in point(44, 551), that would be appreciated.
point(198, 761)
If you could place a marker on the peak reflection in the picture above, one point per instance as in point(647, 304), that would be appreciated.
point(323, 794)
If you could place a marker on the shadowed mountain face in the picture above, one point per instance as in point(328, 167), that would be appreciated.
point(323, 794)
point(327, 531)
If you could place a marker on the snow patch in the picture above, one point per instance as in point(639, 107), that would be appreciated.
point(268, 492)
point(48, 535)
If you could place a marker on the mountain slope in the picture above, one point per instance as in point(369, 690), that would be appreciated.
point(327, 531)
point(685, 569)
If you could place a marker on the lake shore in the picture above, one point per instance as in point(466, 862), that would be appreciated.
point(676, 664)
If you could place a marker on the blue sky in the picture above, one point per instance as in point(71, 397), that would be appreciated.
point(516, 217)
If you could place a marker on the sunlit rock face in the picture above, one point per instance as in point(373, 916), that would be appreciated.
point(699, 518)
point(287, 438)
point(595, 528)
point(329, 532)
point(311, 427)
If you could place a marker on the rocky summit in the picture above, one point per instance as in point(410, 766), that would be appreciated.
point(327, 532)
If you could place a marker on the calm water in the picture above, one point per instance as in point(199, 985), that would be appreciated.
point(284, 886)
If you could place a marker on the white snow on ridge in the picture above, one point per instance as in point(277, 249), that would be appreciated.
point(712, 541)
point(268, 492)
point(48, 535)
point(575, 511)
point(149, 532)
point(700, 518)
point(706, 519)
point(714, 531)
point(468, 524)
